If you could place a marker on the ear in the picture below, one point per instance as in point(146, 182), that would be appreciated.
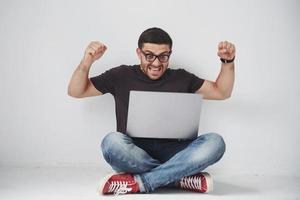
point(139, 53)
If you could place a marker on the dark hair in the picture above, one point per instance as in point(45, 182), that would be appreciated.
point(156, 36)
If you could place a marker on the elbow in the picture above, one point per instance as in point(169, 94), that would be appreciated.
point(73, 94)
point(223, 95)
point(226, 96)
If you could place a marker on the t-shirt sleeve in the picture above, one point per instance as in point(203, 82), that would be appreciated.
point(104, 82)
point(195, 82)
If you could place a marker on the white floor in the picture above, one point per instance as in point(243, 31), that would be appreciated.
point(74, 183)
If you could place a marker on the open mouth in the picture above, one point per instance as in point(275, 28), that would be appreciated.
point(154, 69)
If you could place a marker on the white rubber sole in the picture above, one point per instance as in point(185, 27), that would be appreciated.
point(209, 182)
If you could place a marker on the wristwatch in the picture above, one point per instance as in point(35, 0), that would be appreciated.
point(227, 61)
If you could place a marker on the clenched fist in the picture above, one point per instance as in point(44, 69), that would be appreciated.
point(94, 51)
point(226, 50)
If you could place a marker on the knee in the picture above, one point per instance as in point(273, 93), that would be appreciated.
point(217, 142)
point(109, 145)
point(111, 140)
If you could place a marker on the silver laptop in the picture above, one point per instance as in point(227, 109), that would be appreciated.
point(163, 115)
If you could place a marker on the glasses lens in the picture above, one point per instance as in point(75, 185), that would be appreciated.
point(163, 58)
point(150, 57)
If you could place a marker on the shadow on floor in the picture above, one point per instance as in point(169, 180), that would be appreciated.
point(220, 188)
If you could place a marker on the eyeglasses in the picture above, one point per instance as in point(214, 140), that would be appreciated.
point(163, 58)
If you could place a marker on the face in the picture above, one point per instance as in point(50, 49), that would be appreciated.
point(154, 59)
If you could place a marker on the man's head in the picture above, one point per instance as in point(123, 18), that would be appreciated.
point(154, 50)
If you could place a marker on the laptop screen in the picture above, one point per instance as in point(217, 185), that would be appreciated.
point(163, 115)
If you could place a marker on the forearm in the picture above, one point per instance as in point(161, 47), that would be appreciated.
point(79, 80)
point(225, 80)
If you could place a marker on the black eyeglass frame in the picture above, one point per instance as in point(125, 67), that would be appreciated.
point(159, 57)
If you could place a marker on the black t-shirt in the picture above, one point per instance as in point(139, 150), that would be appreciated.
point(120, 80)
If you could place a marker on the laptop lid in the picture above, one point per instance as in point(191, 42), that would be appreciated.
point(163, 115)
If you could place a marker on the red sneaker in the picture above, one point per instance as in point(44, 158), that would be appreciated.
point(201, 182)
point(119, 184)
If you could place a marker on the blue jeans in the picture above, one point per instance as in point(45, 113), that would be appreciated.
point(161, 162)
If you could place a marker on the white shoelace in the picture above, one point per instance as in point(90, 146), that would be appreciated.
point(191, 183)
point(119, 187)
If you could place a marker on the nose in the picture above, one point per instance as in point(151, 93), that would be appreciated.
point(156, 63)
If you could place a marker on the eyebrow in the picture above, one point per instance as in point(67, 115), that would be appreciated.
point(148, 51)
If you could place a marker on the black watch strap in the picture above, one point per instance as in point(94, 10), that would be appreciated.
point(227, 61)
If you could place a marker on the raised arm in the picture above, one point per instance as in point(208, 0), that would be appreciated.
point(223, 86)
point(80, 85)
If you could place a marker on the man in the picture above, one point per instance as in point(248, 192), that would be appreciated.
point(147, 164)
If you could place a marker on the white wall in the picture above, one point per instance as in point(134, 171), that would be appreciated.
point(42, 42)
